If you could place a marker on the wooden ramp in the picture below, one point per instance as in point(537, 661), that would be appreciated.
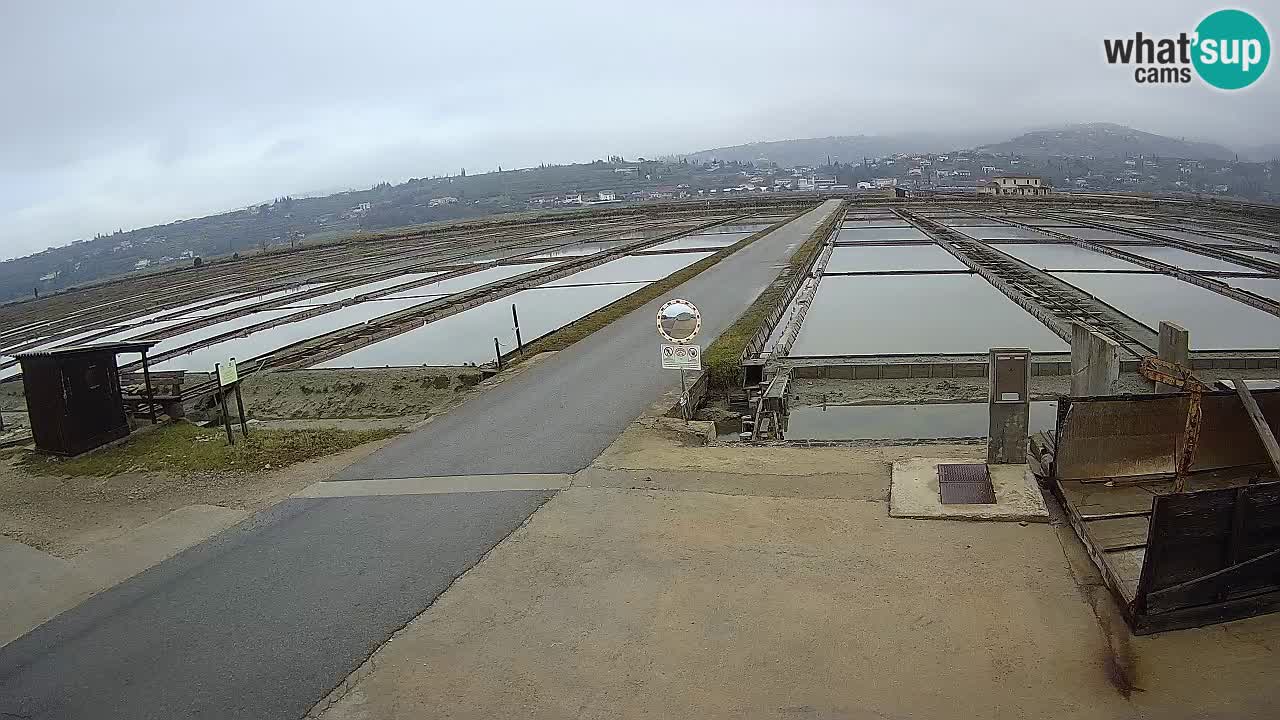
point(1172, 559)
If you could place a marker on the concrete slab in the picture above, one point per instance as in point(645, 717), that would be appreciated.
point(155, 542)
point(913, 493)
point(39, 586)
point(36, 587)
point(433, 485)
point(653, 604)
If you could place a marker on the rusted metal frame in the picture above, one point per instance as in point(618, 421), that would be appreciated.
point(1167, 373)
point(1190, 439)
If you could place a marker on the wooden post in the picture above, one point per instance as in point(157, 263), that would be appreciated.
point(1260, 424)
point(516, 319)
point(146, 380)
point(222, 402)
point(244, 424)
point(497, 353)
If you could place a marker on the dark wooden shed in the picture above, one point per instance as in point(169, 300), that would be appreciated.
point(73, 395)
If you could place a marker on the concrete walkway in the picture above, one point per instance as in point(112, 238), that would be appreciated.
point(265, 619)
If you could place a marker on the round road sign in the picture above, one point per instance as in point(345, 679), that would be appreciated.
point(679, 321)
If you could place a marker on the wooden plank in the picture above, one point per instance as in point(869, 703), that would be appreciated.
point(1202, 615)
point(1259, 423)
point(1115, 515)
point(1096, 499)
point(1267, 562)
point(1126, 568)
point(1110, 533)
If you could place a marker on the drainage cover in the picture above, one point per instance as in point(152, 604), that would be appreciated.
point(965, 484)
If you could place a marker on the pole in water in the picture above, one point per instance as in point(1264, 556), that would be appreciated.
point(497, 352)
point(516, 319)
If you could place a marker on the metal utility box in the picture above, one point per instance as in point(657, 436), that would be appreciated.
point(73, 396)
point(1010, 375)
point(1009, 405)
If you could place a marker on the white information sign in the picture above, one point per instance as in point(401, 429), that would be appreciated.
point(228, 373)
point(681, 357)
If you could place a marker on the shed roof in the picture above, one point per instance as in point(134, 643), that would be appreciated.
point(115, 347)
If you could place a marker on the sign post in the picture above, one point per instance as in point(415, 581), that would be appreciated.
point(679, 322)
point(229, 381)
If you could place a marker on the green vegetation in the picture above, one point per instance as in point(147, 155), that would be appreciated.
point(187, 449)
point(572, 333)
point(723, 358)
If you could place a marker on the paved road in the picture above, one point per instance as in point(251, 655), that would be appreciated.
point(265, 619)
point(262, 620)
point(560, 415)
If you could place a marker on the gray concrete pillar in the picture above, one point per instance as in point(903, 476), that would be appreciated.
point(1008, 405)
point(1095, 362)
point(1175, 347)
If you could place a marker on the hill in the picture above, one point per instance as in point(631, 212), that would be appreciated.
point(845, 148)
point(1106, 140)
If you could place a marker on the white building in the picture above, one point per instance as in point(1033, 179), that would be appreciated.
point(1017, 185)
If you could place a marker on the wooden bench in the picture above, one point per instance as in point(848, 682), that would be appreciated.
point(166, 388)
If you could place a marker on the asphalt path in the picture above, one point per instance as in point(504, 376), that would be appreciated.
point(263, 620)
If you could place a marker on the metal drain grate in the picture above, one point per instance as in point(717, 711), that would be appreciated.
point(965, 484)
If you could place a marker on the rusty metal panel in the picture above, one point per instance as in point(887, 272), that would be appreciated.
point(1121, 436)
point(965, 483)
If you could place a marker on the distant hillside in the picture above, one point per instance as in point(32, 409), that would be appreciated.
point(1261, 153)
point(1106, 140)
point(845, 148)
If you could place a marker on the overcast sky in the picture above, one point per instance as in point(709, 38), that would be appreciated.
point(125, 114)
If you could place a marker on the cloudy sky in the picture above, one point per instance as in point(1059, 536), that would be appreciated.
point(124, 114)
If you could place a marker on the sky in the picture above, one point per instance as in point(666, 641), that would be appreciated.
point(124, 114)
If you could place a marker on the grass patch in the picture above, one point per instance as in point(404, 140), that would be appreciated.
point(572, 333)
point(722, 360)
point(187, 449)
